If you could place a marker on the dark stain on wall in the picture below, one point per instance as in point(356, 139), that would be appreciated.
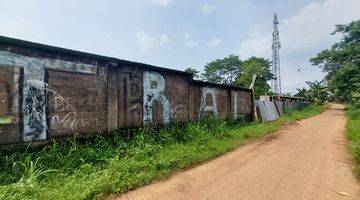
point(130, 96)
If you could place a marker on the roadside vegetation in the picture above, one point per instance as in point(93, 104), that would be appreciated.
point(5, 120)
point(98, 166)
point(353, 134)
point(341, 65)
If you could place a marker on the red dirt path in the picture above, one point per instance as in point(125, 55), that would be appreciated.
point(308, 160)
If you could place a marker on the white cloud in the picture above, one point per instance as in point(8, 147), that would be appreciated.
point(302, 36)
point(162, 2)
point(207, 9)
point(192, 44)
point(147, 42)
point(164, 39)
point(189, 42)
point(214, 42)
point(308, 30)
point(186, 36)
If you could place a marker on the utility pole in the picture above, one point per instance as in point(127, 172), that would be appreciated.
point(275, 68)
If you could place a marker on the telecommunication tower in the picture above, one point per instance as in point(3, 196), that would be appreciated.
point(275, 67)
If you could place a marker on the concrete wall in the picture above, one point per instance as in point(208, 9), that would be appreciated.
point(51, 92)
point(9, 79)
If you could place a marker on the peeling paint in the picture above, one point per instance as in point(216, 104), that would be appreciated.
point(35, 89)
point(17, 60)
point(205, 91)
point(271, 110)
point(154, 88)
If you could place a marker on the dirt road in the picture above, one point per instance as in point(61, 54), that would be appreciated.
point(308, 160)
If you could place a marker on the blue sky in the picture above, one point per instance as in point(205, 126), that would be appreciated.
point(184, 33)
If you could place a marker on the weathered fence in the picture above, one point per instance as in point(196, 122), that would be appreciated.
point(272, 109)
point(51, 92)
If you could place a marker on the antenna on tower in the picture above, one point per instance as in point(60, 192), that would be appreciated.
point(275, 67)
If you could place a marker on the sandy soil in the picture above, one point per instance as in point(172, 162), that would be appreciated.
point(307, 160)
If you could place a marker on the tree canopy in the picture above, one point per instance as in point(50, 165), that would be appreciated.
point(317, 92)
point(223, 71)
point(341, 62)
point(260, 67)
point(193, 71)
point(233, 71)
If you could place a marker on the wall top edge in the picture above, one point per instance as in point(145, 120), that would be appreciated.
point(210, 84)
point(60, 50)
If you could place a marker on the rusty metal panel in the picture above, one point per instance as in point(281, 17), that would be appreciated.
point(267, 110)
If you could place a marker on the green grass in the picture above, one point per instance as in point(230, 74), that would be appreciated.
point(353, 134)
point(5, 120)
point(100, 166)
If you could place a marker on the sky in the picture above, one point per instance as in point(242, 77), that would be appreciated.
point(184, 33)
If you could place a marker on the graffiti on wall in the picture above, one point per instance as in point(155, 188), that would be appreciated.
point(35, 91)
point(62, 105)
point(177, 111)
point(204, 107)
point(34, 103)
point(140, 97)
point(154, 88)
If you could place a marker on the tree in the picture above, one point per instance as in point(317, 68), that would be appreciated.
point(287, 94)
point(260, 67)
point(346, 82)
point(193, 71)
point(223, 71)
point(317, 91)
point(341, 62)
point(303, 93)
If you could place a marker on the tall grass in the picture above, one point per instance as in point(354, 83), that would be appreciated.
point(103, 165)
point(353, 134)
